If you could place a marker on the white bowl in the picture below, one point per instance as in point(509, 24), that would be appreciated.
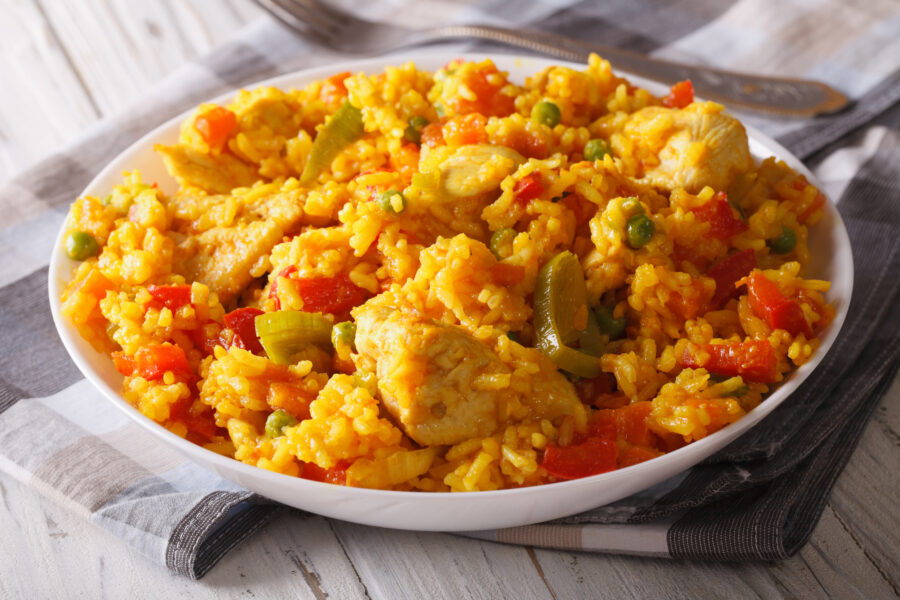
point(829, 245)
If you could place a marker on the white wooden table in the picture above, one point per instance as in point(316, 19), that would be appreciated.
point(65, 64)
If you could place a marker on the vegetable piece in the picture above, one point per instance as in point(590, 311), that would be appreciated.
point(591, 457)
point(172, 297)
point(501, 238)
point(81, 245)
point(590, 341)
point(639, 230)
point(595, 149)
point(608, 325)
point(336, 475)
point(754, 360)
point(344, 128)
point(277, 421)
point(392, 202)
point(558, 296)
point(242, 322)
point(332, 295)
point(285, 332)
point(413, 133)
point(727, 273)
point(720, 215)
point(768, 303)
point(680, 95)
point(528, 188)
point(546, 113)
point(152, 362)
point(784, 243)
point(343, 333)
point(215, 126)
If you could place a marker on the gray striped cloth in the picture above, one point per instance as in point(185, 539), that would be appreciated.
point(757, 499)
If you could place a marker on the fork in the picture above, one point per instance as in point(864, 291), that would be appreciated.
point(798, 98)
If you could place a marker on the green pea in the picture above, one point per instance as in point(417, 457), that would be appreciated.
point(609, 325)
point(501, 238)
point(595, 149)
point(393, 202)
point(80, 245)
point(546, 113)
point(639, 229)
point(277, 421)
point(343, 333)
point(784, 243)
point(413, 133)
point(513, 335)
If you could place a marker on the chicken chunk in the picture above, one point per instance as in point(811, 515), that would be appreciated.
point(216, 174)
point(429, 375)
point(700, 146)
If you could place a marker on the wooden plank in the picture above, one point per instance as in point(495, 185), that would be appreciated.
point(43, 102)
point(407, 564)
point(48, 552)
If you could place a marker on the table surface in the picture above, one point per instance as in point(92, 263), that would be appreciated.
point(72, 63)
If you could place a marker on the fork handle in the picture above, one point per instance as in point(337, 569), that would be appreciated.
point(799, 98)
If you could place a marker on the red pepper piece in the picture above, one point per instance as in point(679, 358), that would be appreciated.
point(754, 360)
point(333, 295)
point(152, 362)
point(727, 273)
point(336, 474)
point(216, 126)
point(172, 297)
point(528, 188)
point(273, 289)
point(591, 457)
point(241, 322)
point(769, 304)
point(680, 95)
point(722, 218)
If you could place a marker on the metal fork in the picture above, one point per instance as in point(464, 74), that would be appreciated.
point(346, 33)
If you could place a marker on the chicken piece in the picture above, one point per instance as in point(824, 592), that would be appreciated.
point(430, 375)
point(700, 146)
point(223, 257)
point(216, 174)
point(476, 169)
point(226, 237)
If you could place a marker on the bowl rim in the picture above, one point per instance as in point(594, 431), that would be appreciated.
point(75, 345)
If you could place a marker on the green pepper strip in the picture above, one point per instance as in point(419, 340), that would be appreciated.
point(344, 128)
point(285, 332)
point(559, 293)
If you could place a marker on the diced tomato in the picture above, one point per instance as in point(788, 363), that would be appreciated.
point(206, 337)
point(603, 425)
point(124, 363)
point(528, 188)
point(754, 360)
point(591, 457)
point(506, 274)
point(273, 289)
point(723, 220)
point(333, 89)
point(205, 424)
point(467, 129)
point(336, 474)
point(241, 322)
point(680, 95)
point(727, 273)
point(769, 304)
point(152, 362)
point(216, 126)
point(95, 284)
point(636, 455)
point(330, 294)
point(631, 424)
point(433, 135)
point(172, 297)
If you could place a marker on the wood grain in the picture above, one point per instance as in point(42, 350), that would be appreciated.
point(73, 62)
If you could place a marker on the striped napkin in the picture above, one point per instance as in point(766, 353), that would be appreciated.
point(757, 499)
